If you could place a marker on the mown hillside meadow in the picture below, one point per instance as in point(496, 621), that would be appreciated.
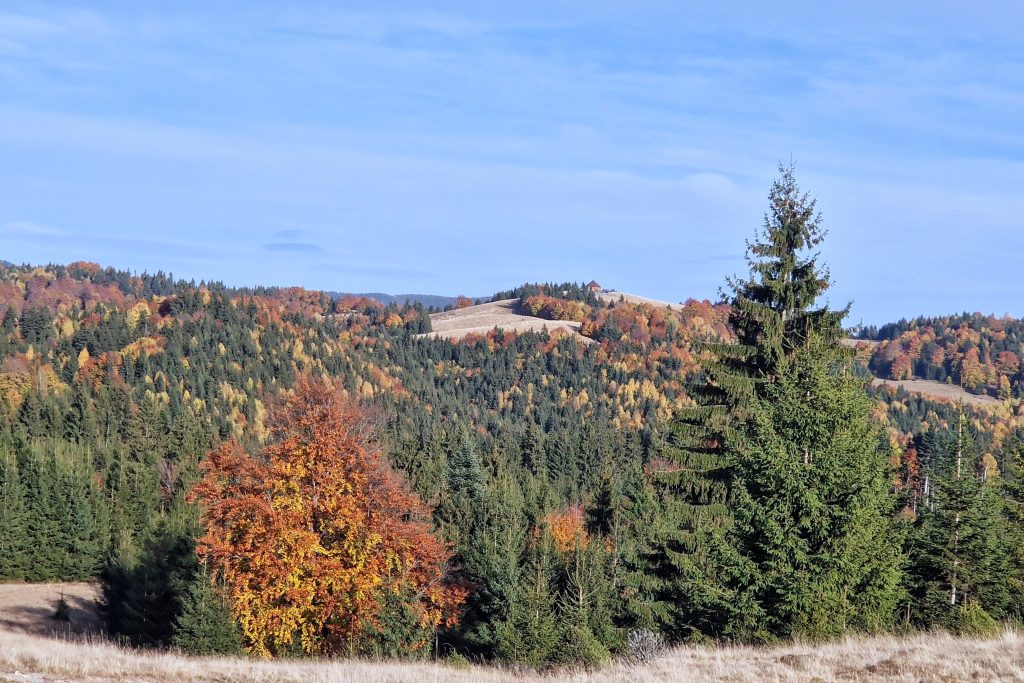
point(286, 473)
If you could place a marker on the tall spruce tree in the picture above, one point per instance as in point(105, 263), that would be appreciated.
point(145, 589)
point(784, 521)
point(493, 565)
point(462, 496)
point(814, 548)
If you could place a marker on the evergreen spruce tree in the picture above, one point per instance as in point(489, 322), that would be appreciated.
point(960, 573)
point(459, 510)
point(45, 558)
point(586, 592)
point(205, 625)
point(628, 514)
point(493, 563)
point(814, 544)
point(1013, 501)
point(82, 532)
point(144, 588)
point(14, 538)
point(780, 502)
point(531, 632)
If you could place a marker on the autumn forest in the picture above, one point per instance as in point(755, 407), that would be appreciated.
point(293, 473)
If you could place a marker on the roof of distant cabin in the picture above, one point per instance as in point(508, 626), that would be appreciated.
point(593, 283)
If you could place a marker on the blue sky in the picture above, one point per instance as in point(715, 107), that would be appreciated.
point(464, 148)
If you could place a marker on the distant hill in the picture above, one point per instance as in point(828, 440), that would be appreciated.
point(426, 300)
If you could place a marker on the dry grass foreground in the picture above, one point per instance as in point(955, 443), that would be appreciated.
point(25, 657)
point(29, 651)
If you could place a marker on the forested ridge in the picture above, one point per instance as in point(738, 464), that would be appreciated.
point(522, 497)
point(982, 353)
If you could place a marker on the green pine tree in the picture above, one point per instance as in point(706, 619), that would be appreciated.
point(14, 538)
point(458, 512)
point(205, 625)
point(815, 549)
point(144, 588)
point(960, 573)
point(493, 563)
point(629, 515)
point(45, 558)
point(586, 592)
point(780, 481)
point(531, 633)
point(1013, 496)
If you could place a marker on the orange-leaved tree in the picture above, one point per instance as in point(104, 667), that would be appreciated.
point(316, 540)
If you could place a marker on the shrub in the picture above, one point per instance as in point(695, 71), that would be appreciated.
point(643, 645)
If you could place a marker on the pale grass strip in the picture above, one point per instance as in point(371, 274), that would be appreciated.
point(915, 658)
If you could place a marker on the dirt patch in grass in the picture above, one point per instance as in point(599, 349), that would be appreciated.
point(30, 608)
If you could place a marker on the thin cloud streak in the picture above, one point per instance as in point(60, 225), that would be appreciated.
point(303, 247)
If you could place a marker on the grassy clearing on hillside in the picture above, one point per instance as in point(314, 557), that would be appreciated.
point(938, 657)
point(940, 391)
point(503, 314)
point(612, 296)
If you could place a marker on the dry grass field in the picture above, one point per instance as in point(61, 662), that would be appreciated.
point(503, 314)
point(938, 390)
point(612, 296)
point(507, 315)
point(33, 650)
point(34, 659)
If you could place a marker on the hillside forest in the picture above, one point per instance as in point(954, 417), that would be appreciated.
point(294, 473)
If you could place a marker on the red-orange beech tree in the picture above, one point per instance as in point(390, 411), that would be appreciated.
point(315, 538)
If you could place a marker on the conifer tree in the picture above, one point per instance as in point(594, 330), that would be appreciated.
point(205, 625)
point(493, 563)
point(781, 440)
point(629, 516)
point(815, 547)
point(43, 529)
point(586, 591)
point(1013, 496)
point(959, 558)
point(81, 533)
point(530, 633)
point(14, 538)
point(144, 587)
point(458, 512)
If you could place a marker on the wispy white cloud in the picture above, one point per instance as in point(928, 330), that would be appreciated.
point(302, 247)
point(31, 230)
